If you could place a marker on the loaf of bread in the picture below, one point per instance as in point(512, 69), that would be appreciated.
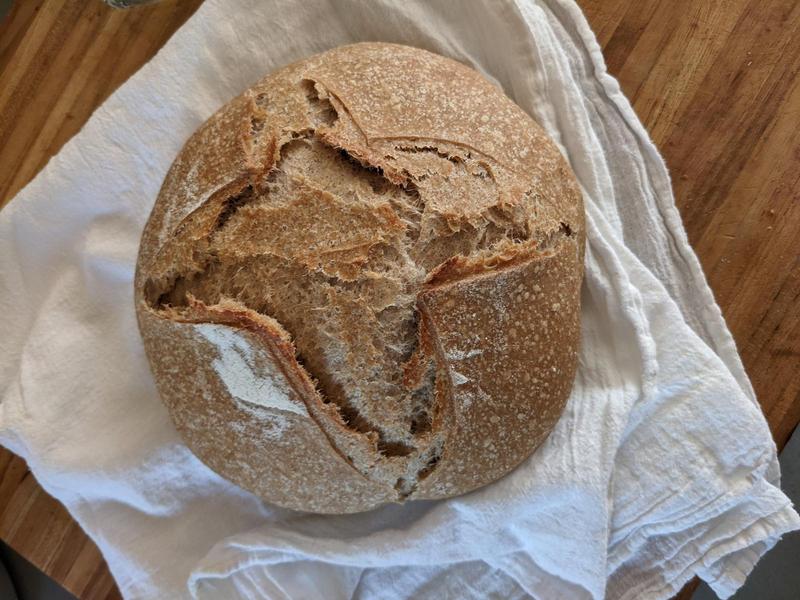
point(360, 283)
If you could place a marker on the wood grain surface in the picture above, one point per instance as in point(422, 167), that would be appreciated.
point(715, 82)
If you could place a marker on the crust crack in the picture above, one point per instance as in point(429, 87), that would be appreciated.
point(336, 244)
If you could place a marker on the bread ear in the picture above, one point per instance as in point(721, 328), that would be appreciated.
point(505, 336)
point(234, 389)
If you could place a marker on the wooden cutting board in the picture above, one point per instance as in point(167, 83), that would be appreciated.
point(715, 82)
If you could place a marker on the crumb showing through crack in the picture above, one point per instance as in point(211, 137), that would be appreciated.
point(353, 254)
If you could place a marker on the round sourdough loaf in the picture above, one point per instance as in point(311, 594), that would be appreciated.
point(360, 282)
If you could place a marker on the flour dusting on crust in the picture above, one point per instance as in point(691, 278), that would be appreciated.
point(254, 387)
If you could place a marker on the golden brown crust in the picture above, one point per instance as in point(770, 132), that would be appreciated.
point(360, 282)
point(508, 340)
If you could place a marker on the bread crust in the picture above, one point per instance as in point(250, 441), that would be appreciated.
point(492, 269)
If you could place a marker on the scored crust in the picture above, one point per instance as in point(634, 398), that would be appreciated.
point(360, 282)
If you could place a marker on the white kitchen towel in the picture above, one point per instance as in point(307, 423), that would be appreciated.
point(662, 466)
